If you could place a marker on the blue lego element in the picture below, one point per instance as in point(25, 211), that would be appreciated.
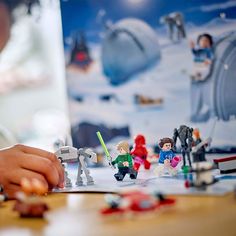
point(166, 155)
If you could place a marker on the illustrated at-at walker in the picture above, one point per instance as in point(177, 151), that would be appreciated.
point(68, 154)
point(175, 23)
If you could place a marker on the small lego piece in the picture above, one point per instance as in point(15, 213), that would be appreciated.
point(184, 133)
point(28, 203)
point(124, 162)
point(199, 175)
point(139, 153)
point(226, 165)
point(167, 159)
point(135, 202)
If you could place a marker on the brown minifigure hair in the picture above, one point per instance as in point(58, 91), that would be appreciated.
point(166, 140)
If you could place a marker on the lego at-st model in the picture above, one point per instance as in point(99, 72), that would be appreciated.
point(124, 162)
point(67, 154)
point(135, 202)
point(139, 153)
point(28, 201)
point(184, 134)
point(168, 161)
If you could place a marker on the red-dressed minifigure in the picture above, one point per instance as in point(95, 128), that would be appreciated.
point(139, 153)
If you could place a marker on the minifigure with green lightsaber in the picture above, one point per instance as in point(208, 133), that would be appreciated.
point(123, 161)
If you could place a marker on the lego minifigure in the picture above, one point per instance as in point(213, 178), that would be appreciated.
point(28, 202)
point(199, 154)
point(167, 159)
point(124, 162)
point(139, 153)
point(184, 133)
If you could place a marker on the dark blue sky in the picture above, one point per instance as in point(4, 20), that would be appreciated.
point(81, 14)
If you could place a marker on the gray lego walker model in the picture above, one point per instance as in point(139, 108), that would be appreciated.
point(68, 154)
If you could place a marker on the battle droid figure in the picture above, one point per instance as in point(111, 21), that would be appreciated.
point(124, 162)
point(168, 161)
point(184, 133)
point(139, 153)
point(68, 154)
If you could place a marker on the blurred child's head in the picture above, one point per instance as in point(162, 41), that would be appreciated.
point(6, 9)
point(205, 41)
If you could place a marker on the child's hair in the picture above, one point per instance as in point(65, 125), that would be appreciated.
point(166, 140)
point(12, 4)
point(208, 36)
point(123, 145)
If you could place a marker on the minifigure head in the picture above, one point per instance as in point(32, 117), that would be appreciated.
point(123, 147)
point(205, 41)
point(166, 144)
point(139, 140)
point(196, 133)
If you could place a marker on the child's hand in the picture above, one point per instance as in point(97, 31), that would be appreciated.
point(191, 44)
point(21, 161)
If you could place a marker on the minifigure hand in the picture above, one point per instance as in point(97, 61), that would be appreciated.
point(207, 62)
point(126, 163)
point(166, 162)
point(21, 161)
point(191, 44)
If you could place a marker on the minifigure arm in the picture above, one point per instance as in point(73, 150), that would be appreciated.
point(190, 139)
point(115, 161)
point(130, 161)
point(175, 136)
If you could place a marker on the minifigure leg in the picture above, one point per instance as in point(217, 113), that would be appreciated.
point(159, 170)
point(184, 160)
point(172, 171)
point(147, 164)
point(133, 174)
point(189, 159)
point(120, 175)
point(136, 166)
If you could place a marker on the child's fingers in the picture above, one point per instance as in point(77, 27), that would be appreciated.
point(11, 190)
point(48, 155)
point(43, 166)
point(22, 174)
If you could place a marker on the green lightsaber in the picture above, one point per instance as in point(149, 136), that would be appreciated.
point(104, 147)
